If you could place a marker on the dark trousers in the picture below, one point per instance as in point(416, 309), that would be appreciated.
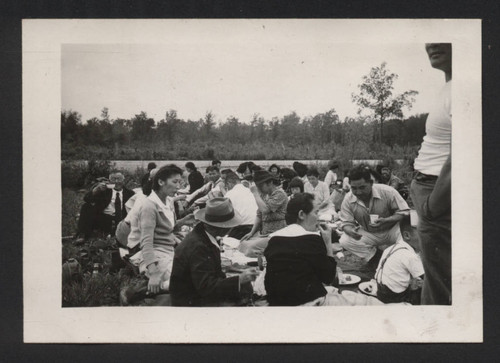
point(90, 220)
point(435, 243)
point(239, 231)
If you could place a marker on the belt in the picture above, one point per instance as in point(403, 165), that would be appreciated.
point(424, 177)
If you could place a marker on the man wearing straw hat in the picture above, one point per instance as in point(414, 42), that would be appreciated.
point(197, 278)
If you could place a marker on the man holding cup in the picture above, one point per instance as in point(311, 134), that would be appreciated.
point(370, 216)
point(104, 204)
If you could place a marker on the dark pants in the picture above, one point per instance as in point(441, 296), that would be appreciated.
point(239, 231)
point(435, 243)
point(90, 220)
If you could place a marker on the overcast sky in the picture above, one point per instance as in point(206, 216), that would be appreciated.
point(235, 78)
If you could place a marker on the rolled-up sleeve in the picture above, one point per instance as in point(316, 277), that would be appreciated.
point(398, 204)
point(346, 214)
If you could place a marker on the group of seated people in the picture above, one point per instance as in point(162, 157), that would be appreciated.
point(272, 213)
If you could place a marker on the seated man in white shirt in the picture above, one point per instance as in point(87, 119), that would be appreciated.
point(243, 202)
point(400, 272)
point(213, 189)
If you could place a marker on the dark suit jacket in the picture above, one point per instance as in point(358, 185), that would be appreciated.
point(197, 278)
point(102, 199)
point(297, 267)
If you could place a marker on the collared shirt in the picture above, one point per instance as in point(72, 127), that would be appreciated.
point(385, 202)
point(110, 209)
point(244, 203)
point(167, 209)
point(219, 190)
point(321, 191)
point(401, 265)
point(330, 178)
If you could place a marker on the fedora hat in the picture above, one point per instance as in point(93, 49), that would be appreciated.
point(262, 176)
point(219, 212)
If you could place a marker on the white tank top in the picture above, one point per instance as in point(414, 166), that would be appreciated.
point(436, 146)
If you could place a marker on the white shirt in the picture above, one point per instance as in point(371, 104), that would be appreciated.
point(110, 209)
point(400, 267)
point(321, 191)
point(244, 203)
point(436, 146)
point(330, 178)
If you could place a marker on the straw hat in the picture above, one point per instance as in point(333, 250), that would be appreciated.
point(219, 212)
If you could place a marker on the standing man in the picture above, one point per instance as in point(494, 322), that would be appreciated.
point(431, 187)
point(370, 216)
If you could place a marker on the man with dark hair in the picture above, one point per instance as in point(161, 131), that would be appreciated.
point(195, 179)
point(197, 278)
point(104, 204)
point(370, 215)
point(400, 272)
point(431, 186)
point(212, 189)
point(216, 163)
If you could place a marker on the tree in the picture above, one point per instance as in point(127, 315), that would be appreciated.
point(375, 94)
point(70, 125)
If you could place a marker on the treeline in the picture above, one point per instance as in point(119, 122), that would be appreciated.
point(322, 136)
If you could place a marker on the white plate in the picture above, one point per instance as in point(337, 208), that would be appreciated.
point(351, 279)
point(364, 285)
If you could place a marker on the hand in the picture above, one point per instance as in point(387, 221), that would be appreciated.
point(154, 281)
point(247, 236)
point(188, 219)
point(248, 276)
point(99, 188)
point(326, 233)
point(379, 223)
point(353, 232)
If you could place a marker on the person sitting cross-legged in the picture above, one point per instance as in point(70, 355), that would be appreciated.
point(366, 201)
point(197, 278)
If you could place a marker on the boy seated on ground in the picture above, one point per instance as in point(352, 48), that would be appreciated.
point(400, 271)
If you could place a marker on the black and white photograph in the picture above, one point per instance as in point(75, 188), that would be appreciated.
point(216, 175)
